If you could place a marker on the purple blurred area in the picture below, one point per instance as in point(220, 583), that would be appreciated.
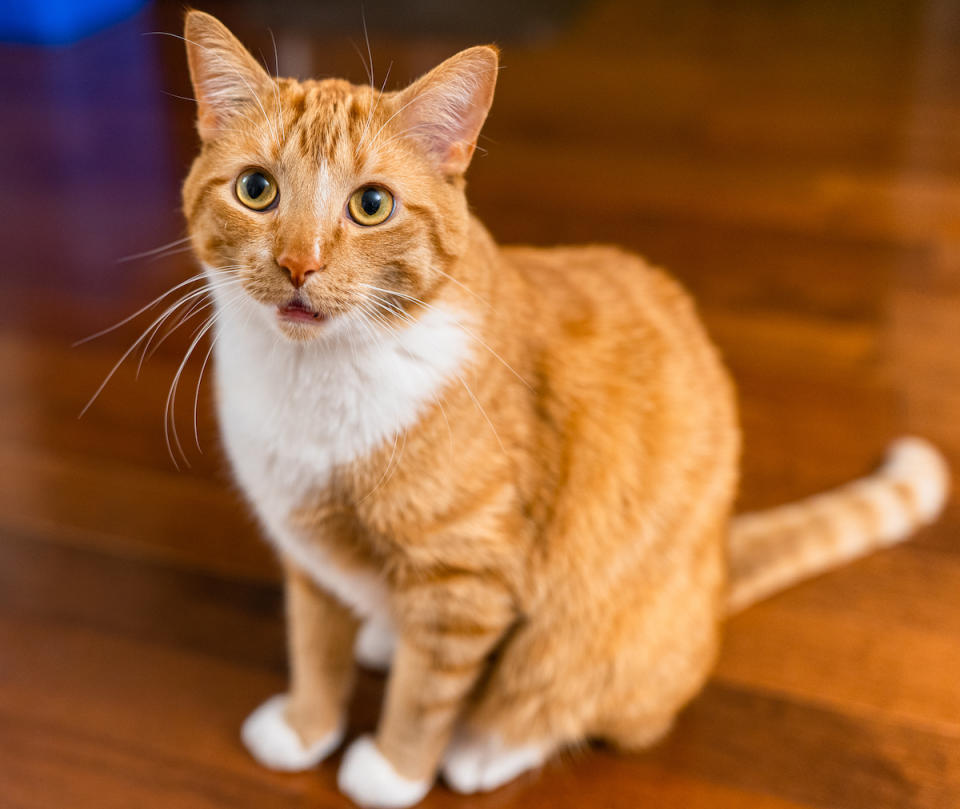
point(94, 177)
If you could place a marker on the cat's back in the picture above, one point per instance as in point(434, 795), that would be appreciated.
point(598, 294)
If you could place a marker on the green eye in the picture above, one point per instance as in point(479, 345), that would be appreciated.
point(370, 205)
point(256, 189)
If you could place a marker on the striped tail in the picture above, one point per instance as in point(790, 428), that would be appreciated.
point(771, 550)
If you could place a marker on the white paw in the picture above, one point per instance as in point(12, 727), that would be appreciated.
point(276, 745)
point(374, 645)
point(478, 764)
point(368, 779)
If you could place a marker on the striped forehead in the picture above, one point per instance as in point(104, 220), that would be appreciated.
point(329, 121)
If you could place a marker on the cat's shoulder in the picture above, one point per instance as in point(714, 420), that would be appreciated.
point(602, 267)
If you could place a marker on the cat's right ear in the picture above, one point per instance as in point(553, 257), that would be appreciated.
point(226, 78)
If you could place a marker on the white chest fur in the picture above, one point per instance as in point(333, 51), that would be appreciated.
point(290, 413)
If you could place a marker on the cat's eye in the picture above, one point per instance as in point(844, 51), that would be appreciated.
point(256, 189)
point(370, 205)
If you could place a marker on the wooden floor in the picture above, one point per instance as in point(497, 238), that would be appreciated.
point(797, 165)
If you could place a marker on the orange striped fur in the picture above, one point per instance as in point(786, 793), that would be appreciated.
point(546, 534)
point(773, 549)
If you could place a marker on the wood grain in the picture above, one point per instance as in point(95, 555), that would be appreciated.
point(796, 165)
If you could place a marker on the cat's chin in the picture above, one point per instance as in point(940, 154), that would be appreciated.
point(301, 330)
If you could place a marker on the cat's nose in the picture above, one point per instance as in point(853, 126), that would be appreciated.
point(299, 265)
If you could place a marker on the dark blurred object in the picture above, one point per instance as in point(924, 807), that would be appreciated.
point(482, 20)
point(58, 22)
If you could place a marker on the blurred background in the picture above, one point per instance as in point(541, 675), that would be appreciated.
point(796, 165)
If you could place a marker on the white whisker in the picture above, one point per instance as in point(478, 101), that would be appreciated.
point(169, 415)
point(196, 396)
point(366, 37)
point(139, 312)
point(465, 288)
point(155, 250)
point(383, 477)
point(373, 109)
point(238, 74)
point(459, 325)
point(376, 317)
point(482, 411)
point(417, 97)
point(276, 86)
point(198, 304)
point(133, 347)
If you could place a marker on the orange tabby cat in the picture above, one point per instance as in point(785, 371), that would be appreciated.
point(506, 473)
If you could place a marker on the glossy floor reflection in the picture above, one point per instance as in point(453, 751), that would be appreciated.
point(796, 165)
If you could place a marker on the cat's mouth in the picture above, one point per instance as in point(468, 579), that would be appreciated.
point(299, 311)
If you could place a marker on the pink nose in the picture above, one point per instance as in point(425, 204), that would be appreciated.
point(299, 266)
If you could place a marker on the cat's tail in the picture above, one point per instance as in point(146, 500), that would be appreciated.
point(771, 550)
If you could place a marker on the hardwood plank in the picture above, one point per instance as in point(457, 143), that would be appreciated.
point(112, 651)
point(815, 756)
point(881, 654)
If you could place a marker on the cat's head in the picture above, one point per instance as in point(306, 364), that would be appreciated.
point(310, 200)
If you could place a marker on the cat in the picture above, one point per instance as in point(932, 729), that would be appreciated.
point(505, 474)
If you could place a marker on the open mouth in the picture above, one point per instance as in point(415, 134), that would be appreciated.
point(297, 310)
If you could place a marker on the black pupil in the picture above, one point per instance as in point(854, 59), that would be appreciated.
point(370, 201)
point(256, 184)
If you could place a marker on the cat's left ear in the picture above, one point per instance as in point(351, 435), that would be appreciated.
point(226, 78)
point(444, 110)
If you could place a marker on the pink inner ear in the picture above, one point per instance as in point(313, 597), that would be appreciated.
point(460, 153)
point(224, 74)
point(445, 110)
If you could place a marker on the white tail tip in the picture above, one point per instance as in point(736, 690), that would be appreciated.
point(918, 463)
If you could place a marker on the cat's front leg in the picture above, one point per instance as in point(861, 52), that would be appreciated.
point(296, 730)
point(446, 630)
